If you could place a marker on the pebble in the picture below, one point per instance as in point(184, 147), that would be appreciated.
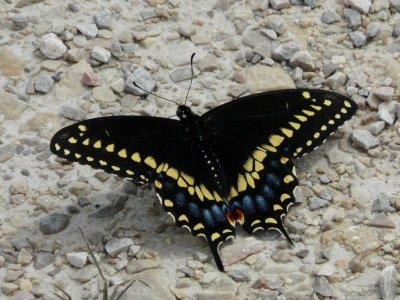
point(43, 83)
point(386, 116)
point(51, 46)
point(42, 259)
point(352, 17)
point(364, 139)
point(373, 29)
point(316, 203)
point(238, 251)
point(6, 152)
point(283, 52)
point(376, 127)
point(116, 49)
point(140, 265)
point(279, 4)
point(180, 74)
point(148, 14)
point(358, 38)
point(18, 21)
point(240, 275)
point(18, 187)
point(130, 48)
point(388, 283)
point(24, 257)
point(199, 256)
point(277, 24)
point(361, 5)
point(11, 106)
point(303, 60)
point(103, 94)
point(87, 29)
point(72, 113)
point(143, 79)
point(382, 221)
point(384, 93)
point(7, 288)
point(337, 80)
point(103, 19)
point(269, 33)
point(329, 17)
point(57, 27)
point(84, 274)
point(209, 277)
point(180, 53)
point(116, 246)
point(53, 223)
point(77, 259)
point(101, 54)
point(396, 30)
point(360, 79)
point(322, 287)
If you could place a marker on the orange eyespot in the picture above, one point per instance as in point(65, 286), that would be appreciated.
point(235, 216)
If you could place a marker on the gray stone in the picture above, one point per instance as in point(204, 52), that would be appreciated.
point(101, 54)
point(209, 277)
point(84, 274)
point(303, 60)
point(238, 251)
point(322, 287)
point(360, 79)
point(329, 17)
point(77, 259)
point(87, 29)
point(240, 275)
point(208, 64)
point(364, 139)
point(130, 48)
point(6, 152)
point(336, 80)
point(72, 113)
point(352, 17)
point(329, 68)
point(186, 30)
point(7, 288)
point(381, 220)
point(215, 295)
point(115, 247)
point(263, 49)
point(51, 46)
point(42, 259)
point(396, 29)
point(280, 4)
point(360, 5)
point(297, 227)
point(277, 24)
point(376, 127)
point(395, 4)
point(373, 29)
point(269, 33)
point(283, 52)
point(43, 83)
point(143, 79)
point(57, 27)
point(148, 14)
point(384, 93)
point(388, 283)
point(140, 265)
point(18, 22)
point(116, 49)
point(53, 223)
point(358, 38)
point(310, 3)
point(385, 116)
point(180, 53)
point(251, 38)
point(103, 19)
point(302, 253)
point(181, 74)
point(316, 203)
point(382, 204)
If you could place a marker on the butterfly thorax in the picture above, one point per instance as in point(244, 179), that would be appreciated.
point(200, 144)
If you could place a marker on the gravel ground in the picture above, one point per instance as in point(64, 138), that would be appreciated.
point(67, 61)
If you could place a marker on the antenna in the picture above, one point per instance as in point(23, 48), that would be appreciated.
point(191, 79)
point(150, 93)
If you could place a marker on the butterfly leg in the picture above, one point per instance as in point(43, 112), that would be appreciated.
point(202, 217)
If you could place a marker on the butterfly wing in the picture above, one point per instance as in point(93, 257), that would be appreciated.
point(128, 146)
point(256, 137)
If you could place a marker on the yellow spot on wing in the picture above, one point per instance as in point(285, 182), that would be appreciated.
point(347, 104)
point(287, 132)
point(168, 203)
point(258, 166)
point(255, 222)
point(198, 226)
point(110, 148)
point(86, 142)
point(233, 192)
point(217, 196)
point(181, 182)
point(337, 116)
point(215, 236)
point(300, 118)
point(331, 122)
point(158, 184)
point(284, 160)
point(306, 95)
point(327, 102)
point(250, 180)
point(89, 158)
point(199, 193)
point(277, 207)
point(227, 231)
point(284, 196)
point(57, 146)
point(298, 150)
point(343, 111)
point(136, 157)
point(103, 163)
point(189, 179)
point(316, 107)
point(288, 179)
point(259, 155)
point(316, 135)
point(115, 168)
point(191, 190)
point(242, 184)
point(160, 167)
point(67, 152)
point(72, 140)
point(269, 148)
point(255, 175)
point(82, 127)
point(276, 140)
point(206, 192)
point(308, 143)
point(271, 221)
point(173, 173)
point(248, 166)
point(129, 172)
point(324, 128)
point(150, 161)
point(295, 125)
point(77, 155)
point(122, 153)
point(97, 145)
point(183, 218)
point(308, 112)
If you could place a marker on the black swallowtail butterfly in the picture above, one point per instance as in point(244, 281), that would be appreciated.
point(232, 164)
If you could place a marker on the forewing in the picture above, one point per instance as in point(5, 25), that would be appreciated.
point(128, 146)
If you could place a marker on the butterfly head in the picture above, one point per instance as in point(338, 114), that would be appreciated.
point(184, 113)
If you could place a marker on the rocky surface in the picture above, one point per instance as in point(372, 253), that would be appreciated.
point(68, 61)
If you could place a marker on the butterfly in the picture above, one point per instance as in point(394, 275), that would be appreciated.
point(231, 165)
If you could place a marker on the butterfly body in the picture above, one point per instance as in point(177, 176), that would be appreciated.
point(231, 165)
